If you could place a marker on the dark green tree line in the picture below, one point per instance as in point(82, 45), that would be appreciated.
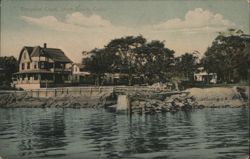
point(9, 65)
point(229, 56)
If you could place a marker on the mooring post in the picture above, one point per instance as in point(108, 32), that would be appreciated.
point(123, 103)
point(129, 105)
point(55, 92)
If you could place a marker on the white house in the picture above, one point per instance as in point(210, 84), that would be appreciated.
point(42, 67)
point(203, 76)
point(79, 74)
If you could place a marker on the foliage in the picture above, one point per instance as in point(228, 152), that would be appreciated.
point(186, 65)
point(136, 57)
point(157, 63)
point(229, 56)
point(8, 66)
point(99, 62)
point(126, 48)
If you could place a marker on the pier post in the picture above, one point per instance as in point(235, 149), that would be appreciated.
point(38, 93)
point(55, 92)
point(123, 103)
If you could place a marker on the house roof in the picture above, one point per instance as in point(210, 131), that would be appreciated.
point(29, 49)
point(55, 54)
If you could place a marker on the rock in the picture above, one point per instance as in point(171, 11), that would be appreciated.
point(135, 103)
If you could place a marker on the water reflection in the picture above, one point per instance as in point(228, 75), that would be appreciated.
point(88, 133)
point(40, 134)
point(103, 134)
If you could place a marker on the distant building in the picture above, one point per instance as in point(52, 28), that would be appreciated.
point(42, 67)
point(79, 73)
point(202, 76)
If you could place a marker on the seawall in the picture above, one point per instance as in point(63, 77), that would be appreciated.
point(62, 100)
point(141, 98)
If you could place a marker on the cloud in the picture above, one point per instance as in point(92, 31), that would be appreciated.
point(197, 20)
point(81, 32)
point(75, 22)
point(51, 22)
point(77, 18)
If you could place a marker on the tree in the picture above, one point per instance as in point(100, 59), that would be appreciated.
point(99, 63)
point(150, 61)
point(125, 48)
point(228, 56)
point(10, 65)
point(156, 61)
point(186, 65)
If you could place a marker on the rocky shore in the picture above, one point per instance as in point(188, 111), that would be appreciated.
point(194, 98)
point(169, 104)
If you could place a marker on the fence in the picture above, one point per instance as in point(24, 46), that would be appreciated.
point(89, 91)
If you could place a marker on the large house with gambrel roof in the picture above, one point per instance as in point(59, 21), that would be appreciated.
point(42, 67)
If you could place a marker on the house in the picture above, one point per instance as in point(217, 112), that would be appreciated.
point(42, 67)
point(202, 76)
point(80, 74)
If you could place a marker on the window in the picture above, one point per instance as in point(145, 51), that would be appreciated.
point(35, 77)
point(23, 65)
point(42, 65)
point(24, 55)
point(35, 65)
point(28, 65)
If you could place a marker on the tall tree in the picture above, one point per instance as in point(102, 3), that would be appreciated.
point(157, 61)
point(99, 63)
point(186, 65)
point(10, 66)
point(125, 48)
point(229, 56)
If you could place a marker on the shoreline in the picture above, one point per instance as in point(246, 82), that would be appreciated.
point(139, 101)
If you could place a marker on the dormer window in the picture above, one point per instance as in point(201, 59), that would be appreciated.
point(24, 55)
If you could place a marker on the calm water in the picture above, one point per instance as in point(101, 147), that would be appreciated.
point(91, 134)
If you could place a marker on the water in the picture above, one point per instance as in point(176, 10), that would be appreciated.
point(90, 134)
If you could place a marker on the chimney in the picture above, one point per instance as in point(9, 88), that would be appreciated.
point(44, 45)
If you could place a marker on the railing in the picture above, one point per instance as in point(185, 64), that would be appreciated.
point(60, 70)
point(140, 88)
point(90, 91)
point(26, 82)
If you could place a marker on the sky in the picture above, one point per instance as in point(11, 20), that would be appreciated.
point(82, 25)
